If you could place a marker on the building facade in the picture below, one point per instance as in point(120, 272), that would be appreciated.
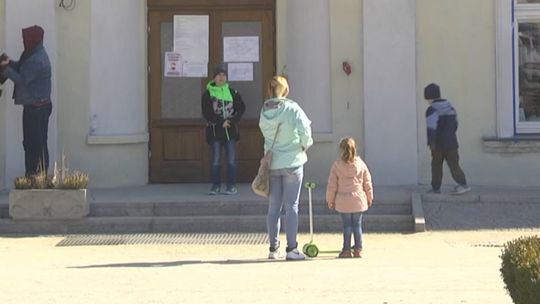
point(119, 118)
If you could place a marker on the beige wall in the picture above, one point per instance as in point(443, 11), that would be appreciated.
point(108, 165)
point(390, 115)
point(3, 97)
point(345, 17)
point(346, 45)
point(73, 75)
point(456, 49)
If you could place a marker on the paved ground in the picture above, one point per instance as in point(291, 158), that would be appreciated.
point(431, 267)
point(441, 266)
point(483, 208)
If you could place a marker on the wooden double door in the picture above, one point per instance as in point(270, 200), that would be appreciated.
point(178, 149)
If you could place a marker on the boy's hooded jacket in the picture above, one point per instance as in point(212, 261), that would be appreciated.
point(349, 186)
point(219, 104)
point(32, 73)
point(294, 136)
point(442, 124)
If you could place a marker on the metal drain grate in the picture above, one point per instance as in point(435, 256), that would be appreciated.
point(165, 238)
point(489, 245)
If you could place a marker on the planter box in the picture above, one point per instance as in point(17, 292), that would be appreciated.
point(55, 204)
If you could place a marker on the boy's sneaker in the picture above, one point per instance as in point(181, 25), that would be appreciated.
point(295, 255)
point(357, 253)
point(214, 190)
point(434, 191)
point(231, 190)
point(460, 189)
point(275, 255)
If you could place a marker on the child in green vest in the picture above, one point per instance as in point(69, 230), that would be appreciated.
point(222, 108)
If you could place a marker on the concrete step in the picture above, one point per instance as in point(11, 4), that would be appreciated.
point(202, 224)
point(4, 211)
point(187, 208)
point(213, 208)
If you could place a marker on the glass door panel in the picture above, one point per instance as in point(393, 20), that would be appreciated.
point(180, 96)
point(251, 91)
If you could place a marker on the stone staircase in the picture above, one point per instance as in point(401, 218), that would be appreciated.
point(179, 211)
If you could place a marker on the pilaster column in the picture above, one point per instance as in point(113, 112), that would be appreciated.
point(390, 101)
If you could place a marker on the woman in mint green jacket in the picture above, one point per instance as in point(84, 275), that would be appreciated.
point(285, 117)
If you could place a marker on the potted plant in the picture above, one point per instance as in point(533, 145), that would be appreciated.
point(60, 196)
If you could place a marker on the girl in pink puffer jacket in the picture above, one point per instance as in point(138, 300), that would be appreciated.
point(350, 192)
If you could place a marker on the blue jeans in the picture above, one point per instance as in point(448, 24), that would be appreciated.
point(352, 224)
point(285, 186)
point(230, 147)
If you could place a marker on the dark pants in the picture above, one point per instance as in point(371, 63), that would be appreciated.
point(452, 159)
point(230, 147)
point(35, 128)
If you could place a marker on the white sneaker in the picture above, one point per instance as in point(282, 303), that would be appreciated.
point(295, 255)
point(460, 189)
point(275, 255)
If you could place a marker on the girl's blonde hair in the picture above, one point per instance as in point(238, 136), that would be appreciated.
point(278, 87)
point(347, 149)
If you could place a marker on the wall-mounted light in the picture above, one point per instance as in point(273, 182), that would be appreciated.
point(346, 68)
point(68, 5)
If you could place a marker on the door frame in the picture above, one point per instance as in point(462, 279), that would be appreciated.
point(192, 7)
point(216, 4)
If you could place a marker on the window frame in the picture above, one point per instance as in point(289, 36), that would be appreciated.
point(504, 68)
point(521, 13)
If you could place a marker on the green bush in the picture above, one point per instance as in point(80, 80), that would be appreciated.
point(520, 269)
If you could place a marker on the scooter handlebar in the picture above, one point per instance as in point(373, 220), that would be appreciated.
point(310, 185)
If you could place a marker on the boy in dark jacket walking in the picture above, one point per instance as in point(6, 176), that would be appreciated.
point(222, 108)
point(442, 124)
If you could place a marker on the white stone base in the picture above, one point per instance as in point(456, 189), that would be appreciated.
point(55, 204)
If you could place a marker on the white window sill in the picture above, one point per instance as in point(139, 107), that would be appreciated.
point(144, 138)
point(515, 144)
point(323, 137)
point(117, 139)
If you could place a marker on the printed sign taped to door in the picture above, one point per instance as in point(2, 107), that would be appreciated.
point(173, 64)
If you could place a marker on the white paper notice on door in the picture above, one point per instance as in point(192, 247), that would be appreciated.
point(173, 64)
point(195, 69)
point(241, 49)
point(191, 35)
point(240, 71)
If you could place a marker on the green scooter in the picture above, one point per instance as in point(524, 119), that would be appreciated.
point(310, 249)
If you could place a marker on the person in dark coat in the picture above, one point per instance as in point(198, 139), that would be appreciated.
point(222, 108)
point(442, 124)
point(31, 75)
